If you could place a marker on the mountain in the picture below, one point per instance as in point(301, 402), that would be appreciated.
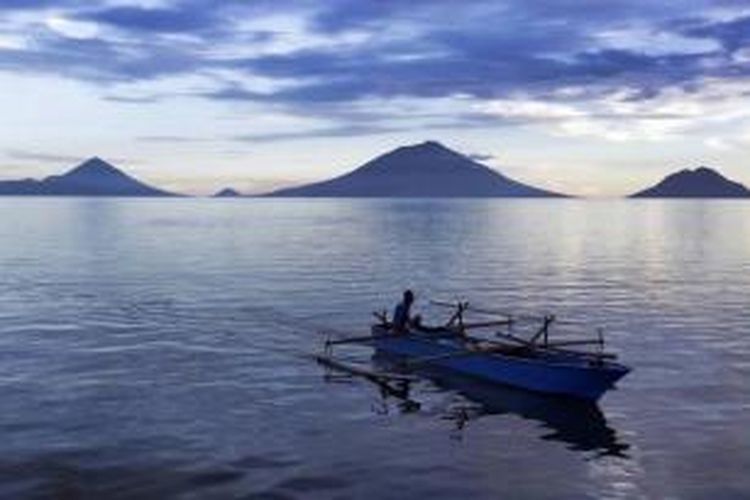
point(227, 193)
point(94, 177)
point(702, 182)
point(428, 169)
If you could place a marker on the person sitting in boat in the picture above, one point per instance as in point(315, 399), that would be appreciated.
point(401, 318)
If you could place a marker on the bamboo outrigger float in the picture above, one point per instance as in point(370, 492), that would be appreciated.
point(537, 363)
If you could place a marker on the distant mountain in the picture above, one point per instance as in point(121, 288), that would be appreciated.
point(94, 177)
point(702, 182)
point(428, 169)
point(227, 193)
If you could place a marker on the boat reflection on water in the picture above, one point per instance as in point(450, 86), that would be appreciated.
point(578, 423)
point(581, 424)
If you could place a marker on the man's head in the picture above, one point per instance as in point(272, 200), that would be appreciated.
point(408, 297)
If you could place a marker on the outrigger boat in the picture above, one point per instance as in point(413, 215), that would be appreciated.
point(536, 364)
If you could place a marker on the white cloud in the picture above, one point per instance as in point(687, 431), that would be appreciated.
point(742, 56)
point(653, 42)
point(530, 109)
point(146, 4)
point(79, 30)
point(290, 34)
point(12, 42)
point(713, 105)
point(718, 143)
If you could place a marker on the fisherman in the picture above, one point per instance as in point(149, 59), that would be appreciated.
point(401, 318)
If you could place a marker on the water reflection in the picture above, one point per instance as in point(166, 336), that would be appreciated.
point(580, 424)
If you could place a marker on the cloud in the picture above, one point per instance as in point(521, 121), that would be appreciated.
point(481, 157)
point(570, 60)
point(328, 132)
point(718, 143)
point(154, 20)
point(733, 34)
point(12, 42)
point(531, 110)
point(75, 29)
point(618, 116)
point(123, 99)
point(25, 5)
point(172, 139)
point(40, 157)
point(53, 158)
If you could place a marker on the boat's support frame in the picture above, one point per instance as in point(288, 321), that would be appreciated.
point(538, 346)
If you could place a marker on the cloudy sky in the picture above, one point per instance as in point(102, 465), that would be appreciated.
point(587, 97)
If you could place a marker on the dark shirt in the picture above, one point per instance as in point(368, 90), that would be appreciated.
point(401, 317)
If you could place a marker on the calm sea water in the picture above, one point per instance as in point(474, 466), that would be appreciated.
point(158, 348)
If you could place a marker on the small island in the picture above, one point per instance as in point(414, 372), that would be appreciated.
point(703, 182)
point(227, 193)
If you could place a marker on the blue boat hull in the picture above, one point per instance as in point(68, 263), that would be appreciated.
point(565, 375)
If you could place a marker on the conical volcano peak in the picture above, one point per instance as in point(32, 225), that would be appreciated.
point(426, 169)
point(426, 148)
point(96, 160)
point(94, 166)
point(424, 158)
point(432, 145)
point(93, 177)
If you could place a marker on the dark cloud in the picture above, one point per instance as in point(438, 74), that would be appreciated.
point(100, 60)
point(8, 5)
point(342, 78)
point(172, 139)
point(355, 126)
point(40, 157)
point(733, 35)
point(213, 18)
point(150, 99)
point(480, 157)
point(153, 20)
point(419, 49)
point(232, 93)
point(44, 157)
point(328, 132)
point(339, 15)
point(490, 15)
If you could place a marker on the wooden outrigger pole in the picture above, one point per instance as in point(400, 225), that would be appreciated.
point(390, 384)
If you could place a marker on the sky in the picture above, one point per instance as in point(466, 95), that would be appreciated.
point(595, 98)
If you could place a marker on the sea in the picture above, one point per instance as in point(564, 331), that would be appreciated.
point(162, 348)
